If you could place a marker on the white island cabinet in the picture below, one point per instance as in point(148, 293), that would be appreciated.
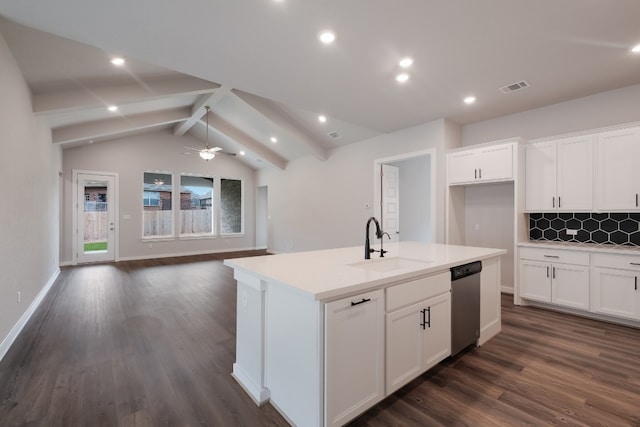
point(311, 336)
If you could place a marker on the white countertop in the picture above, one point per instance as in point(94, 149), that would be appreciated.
point(588, 247)
point(327, 274)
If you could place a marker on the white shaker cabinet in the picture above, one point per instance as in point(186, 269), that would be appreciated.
point(418, 335)
point(554, 276)
point(559, 175)
point(618, 183)
point(615, 288)
point(354, 356)
point(487, 164)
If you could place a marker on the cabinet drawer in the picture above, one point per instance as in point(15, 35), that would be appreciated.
point(624, 262)
point(416, 290)
point(555, 255)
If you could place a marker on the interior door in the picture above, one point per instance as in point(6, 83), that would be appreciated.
point(95, 218)
point(391, 201)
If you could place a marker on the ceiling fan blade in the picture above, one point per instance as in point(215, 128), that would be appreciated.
point(193, 149)
point(215, 149)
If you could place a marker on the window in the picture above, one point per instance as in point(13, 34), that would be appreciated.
point(231, 214)
point(151, 198)
point(196, 206)
point(156, 205)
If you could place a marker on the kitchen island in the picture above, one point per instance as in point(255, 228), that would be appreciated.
point(324, 335)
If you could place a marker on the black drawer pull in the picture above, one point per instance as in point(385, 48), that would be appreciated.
point(634, 263)
point(360, 302)
point(551, 256)
point(636, 284)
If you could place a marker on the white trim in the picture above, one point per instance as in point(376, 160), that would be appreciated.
point(74, 217)
point(259, 395)
point(506, 290)
point(431, 156)
point(17, 328)
point(586, 132)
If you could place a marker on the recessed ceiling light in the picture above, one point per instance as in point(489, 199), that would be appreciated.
point(274, 139)
point(327, 37)
point(322, 119)
point(118, 62)
point(112, 108)
point(402, 77)
point(405, 62)
point(636, 49)
point(91, 141)
point(470, 100)
point(242, 153)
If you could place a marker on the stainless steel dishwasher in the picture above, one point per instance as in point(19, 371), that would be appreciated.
point(465, 305)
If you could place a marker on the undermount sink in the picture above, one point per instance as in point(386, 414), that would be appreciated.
point(385, 265)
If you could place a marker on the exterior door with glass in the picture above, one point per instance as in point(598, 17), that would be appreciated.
point(95, 220)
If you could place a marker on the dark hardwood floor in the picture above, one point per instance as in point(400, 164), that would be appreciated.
point(151, 343)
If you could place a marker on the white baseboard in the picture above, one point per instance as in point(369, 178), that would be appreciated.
point(15, 331)
point(180, 254)
point(507, 290)
point(65, 263)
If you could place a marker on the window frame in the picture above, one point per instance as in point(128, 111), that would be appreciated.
point(214, 215)
point(172, 234)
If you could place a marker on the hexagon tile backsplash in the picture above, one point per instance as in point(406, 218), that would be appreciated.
point(602, 228)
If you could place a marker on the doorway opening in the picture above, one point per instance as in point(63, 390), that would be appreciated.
point(95, 199)
point(404, 195)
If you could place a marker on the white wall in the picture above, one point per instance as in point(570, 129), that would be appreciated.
point(320, 204)
point(604, 109)
point(415, 195)
point(29, 209)
point(130, 158)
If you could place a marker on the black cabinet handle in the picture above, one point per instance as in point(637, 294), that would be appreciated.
point(634, 263)
point(551, 256)
point(426, 318)
point(553, 269)
point(636, 200)
point(360, 302)
point(559, 202)
point(429, 315)
point(475, 174)
point(553, 202)
point(547, 271)
point(636, 284)
point(480, 173)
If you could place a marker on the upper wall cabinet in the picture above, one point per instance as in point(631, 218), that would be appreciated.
point(559, 175)
point(618, 173)
point(488, 164)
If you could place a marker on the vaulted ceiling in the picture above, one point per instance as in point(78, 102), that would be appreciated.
point(261, 68)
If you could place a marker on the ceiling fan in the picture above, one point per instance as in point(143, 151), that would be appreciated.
point(208, 153)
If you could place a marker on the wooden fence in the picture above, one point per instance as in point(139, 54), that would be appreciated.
point(156, 223)
point(96, 225)
point(196, 221)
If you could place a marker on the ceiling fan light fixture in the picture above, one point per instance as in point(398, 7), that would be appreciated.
point(207, 155)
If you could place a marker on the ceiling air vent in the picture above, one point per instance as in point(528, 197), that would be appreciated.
point(514, 87)
point(335, 135)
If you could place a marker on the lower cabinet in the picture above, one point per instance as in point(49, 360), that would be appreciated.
point(354, 356)
point(418, 337)
point(565, 281)
point(615, 289)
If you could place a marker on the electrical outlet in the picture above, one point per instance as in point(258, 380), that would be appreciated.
point(571, 232)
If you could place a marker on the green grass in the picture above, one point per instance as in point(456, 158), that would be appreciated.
point(95, 246)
